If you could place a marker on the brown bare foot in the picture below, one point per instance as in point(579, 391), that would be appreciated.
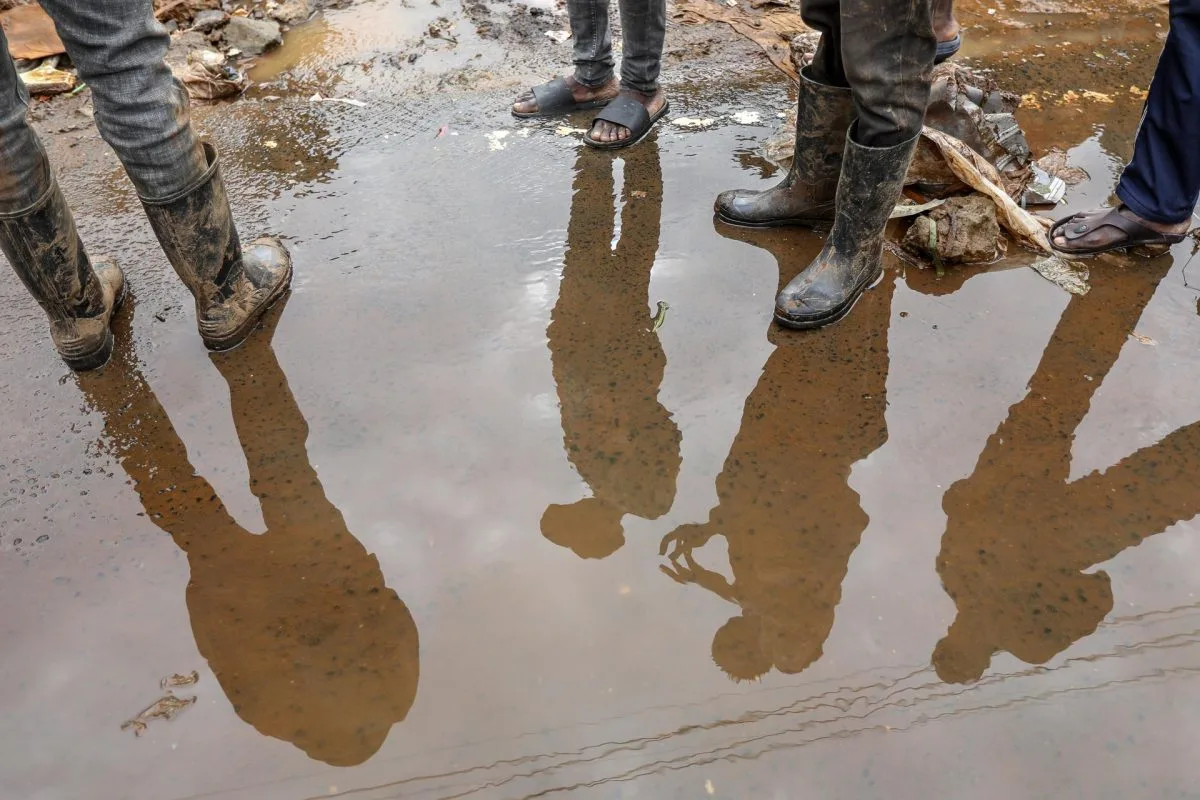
point(945, 26)
point(606, 132)
point(526, 104)
point(1105, 235)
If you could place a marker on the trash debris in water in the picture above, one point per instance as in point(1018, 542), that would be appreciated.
point(496, 140)
point(1057, 164)
point(166, 707)
point(911, 209)
point(566, 130)
point(176, 680)
point(972, 168)
point(746, 117)
point(1055, 270)
point(317, 98)
point(1044, 190)
point(1146, 340)
point(208, 75)
point(660, 317)
point(692, 123)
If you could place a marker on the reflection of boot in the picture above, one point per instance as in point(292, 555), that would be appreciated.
point(851, 260)
point(232, 286)
point(805, 197)
point(45, 251)
point(789, 516)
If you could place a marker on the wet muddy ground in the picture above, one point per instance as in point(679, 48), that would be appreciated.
point(462, 523)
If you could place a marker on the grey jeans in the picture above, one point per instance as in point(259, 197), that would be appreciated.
point(141, 110)
point(644, 27)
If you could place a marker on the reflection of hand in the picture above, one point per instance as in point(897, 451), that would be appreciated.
point(683, 540)
point(683, 574)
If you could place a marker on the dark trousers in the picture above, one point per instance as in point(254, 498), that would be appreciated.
point(1162, 182)
point(883, 50)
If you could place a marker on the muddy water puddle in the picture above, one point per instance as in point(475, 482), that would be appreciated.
point(468, 520)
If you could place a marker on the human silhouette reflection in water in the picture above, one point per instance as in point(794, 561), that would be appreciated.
point(608, 361)
point(297, 624)
point(1020, 537)
point(786, 509)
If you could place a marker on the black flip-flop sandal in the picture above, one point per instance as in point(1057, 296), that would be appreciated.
point(554, 98)
point(630, 114)
point(1137, 235)
point(948, 49)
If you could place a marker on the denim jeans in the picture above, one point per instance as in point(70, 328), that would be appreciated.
point(644, 26)
point(883, 50)
point(141, 110)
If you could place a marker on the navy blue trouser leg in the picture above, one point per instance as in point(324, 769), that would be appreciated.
point(1162, 182)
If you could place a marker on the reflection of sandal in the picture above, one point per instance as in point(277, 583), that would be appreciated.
point(630, 114)
point(554, 98)
point(1136, 235)
point(947, 50)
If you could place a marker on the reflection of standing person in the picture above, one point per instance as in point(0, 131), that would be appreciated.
point(786, 509)
point(631, 105)
point(860, 111)
point(1160, 187)
point(608, 361)
point(305, 638)
point(142, 112)
point(1019, 538)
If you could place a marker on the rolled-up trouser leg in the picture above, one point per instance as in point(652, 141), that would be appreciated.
point(644, 26)
point(1162, 181)
point(887, 52)
point(141, 110)
point(592, 53)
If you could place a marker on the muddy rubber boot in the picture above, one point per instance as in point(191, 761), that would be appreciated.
point(233, 286)
point(851, 260)
point(46, 253)
point(806, 195)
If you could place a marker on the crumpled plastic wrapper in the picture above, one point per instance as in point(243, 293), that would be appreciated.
point(208, 76)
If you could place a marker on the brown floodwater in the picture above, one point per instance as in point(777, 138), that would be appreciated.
point(465, 520)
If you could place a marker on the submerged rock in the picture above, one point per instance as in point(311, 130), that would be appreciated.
point(967, 231)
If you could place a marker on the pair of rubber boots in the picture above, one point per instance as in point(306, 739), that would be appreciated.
point(832, 179)
point(233, 286)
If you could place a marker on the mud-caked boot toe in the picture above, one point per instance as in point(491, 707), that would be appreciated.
point(45, 251)
point(806, 195)
point(819, 297)
point(852, 259)
point(233, 286)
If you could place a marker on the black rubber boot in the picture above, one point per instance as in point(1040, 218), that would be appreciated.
point(851, 260)
point(233, 286)
point(46, 253)
point(805, 196)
